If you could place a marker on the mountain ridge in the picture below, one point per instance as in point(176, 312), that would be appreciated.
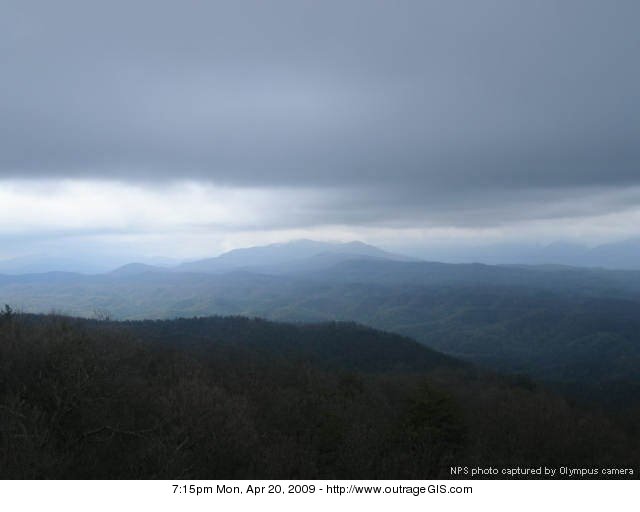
point(278, 254)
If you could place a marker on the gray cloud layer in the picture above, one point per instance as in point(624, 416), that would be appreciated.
point(421, 106)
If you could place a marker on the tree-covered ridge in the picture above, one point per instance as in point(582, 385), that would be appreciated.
point(245, 398)
point(572, 326)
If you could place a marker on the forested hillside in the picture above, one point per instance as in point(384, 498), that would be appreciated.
point(233, 398)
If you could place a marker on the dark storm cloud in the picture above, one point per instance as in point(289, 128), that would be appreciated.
point(420, 106)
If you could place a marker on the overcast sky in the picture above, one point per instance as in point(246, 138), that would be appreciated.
point(184, 128)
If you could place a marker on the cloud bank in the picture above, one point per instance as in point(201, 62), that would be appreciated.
point(404, 114)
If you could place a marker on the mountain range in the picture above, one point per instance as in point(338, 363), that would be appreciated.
point(304, 255)
point(551, 322)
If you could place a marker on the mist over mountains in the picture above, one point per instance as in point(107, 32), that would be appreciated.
point(552, 322)
point(303, 255)
point(82, 264)
point(623, 254)
point(298, 255)
point(283, 258)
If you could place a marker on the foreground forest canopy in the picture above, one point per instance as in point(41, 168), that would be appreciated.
point(233, 397)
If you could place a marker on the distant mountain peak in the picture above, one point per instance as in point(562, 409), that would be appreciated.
point(300, 253)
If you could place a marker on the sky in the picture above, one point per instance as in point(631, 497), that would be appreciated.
point(186, 128)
